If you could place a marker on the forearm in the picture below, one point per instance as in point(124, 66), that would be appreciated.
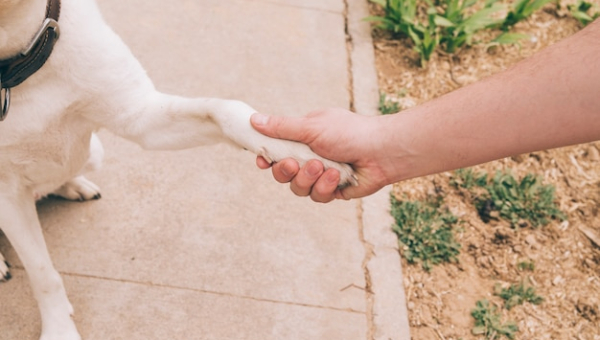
point(547, 101)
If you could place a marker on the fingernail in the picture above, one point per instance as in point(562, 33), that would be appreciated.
point(287, 170)
point(312, 169)
point(260, 119)
point(333, 177)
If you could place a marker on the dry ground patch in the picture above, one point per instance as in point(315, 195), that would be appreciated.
point(566, 255)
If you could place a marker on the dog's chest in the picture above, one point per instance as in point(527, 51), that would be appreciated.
point(44, 157)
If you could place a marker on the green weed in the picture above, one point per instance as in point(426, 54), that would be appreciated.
point(581, 12)
point(444, 23)
point(458, 29)
point(400, 16)
point(517, 294)
point(488, 322)
point(425, 232)
point(400, 19)
point(467, 179)
point(453, 24)
point(526, 265)
point(387, 106)
point(521, 10)
point(520, 203)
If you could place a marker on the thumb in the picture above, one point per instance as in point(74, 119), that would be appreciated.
point(277, 126)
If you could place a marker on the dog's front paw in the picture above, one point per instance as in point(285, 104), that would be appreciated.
point(78, 189)
point(4, 271)
point(280, 149)
point(57, 323)
point(234, 119)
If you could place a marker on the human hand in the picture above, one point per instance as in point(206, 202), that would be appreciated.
point(336, 134)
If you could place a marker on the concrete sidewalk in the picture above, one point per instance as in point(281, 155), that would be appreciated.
point(200, 244)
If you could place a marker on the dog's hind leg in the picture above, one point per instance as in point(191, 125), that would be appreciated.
point(4, 273)
point(80, 188)
point(19, 221)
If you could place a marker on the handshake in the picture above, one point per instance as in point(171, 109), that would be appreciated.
point(484, 121)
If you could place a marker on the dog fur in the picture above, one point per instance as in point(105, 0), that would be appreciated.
point(47, 142)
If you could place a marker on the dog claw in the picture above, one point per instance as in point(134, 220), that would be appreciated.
point(354, 180)
point(5, 274)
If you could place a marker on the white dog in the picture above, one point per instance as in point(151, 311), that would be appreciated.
point(89, 81)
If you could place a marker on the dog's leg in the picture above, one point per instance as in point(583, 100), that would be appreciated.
point(4, 272)
point(171, 122)
point(80, 188)
point(19, 221)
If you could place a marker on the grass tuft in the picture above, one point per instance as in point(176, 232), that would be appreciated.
point(425, 232)
point(488, 322)
point(387, 106)
point(522, 203)
point(517, 294)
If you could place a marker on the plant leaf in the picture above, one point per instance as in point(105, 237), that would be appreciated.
point(443, 22)
point(510, 38)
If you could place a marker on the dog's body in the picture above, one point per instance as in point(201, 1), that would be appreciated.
point(92, 81)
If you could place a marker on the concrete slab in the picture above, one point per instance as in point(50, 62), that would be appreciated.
point(119, 310)
point(206, 219)
point(199, 244)
point(284, 60)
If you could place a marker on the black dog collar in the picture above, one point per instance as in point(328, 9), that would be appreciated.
point(15, 70)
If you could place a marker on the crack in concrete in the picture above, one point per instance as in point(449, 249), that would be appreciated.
point(203, 291)
point(369, 253)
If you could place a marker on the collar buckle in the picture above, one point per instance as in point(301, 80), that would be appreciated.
point(48, 24)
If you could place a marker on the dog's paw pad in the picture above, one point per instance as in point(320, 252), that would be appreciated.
point(78, 189)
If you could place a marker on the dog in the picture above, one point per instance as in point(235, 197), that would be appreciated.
point(63, 76)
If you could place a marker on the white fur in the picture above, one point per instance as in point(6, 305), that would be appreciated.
point(92, 81)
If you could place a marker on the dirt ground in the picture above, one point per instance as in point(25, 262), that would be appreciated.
point(566, 254)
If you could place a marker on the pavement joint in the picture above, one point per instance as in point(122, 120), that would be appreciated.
point(386, 301)
point(349, 47)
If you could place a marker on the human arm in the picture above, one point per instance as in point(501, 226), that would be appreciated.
point(549, 100)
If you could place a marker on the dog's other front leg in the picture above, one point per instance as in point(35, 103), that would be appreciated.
point(19, 221)
point(171, 122)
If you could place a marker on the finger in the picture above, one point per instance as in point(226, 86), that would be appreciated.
point(308, 175)
point(262, 163)
point(285, 170)
point(324, 190)
point(278, 127)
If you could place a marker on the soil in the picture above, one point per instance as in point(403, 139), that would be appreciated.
point(566, 254)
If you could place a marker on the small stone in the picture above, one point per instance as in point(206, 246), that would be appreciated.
point(530, 240)
point(559, 280)
point(593, 153)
